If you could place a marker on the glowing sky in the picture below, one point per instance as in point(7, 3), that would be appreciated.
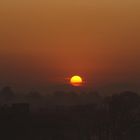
point(44, 42)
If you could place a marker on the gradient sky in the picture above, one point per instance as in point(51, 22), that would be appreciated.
point(42, 43)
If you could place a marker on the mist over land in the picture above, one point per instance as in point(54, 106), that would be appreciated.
point(69, 115)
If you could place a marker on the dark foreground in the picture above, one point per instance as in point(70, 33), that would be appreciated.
point(115, 118)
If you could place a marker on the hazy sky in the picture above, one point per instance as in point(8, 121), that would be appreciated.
point(42, 43)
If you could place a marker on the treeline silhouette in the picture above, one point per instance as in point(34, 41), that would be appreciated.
point(115, 117)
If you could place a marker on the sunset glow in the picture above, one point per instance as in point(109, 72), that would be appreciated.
point(43, 42)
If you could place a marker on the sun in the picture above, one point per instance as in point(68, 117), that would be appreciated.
point(76, 80)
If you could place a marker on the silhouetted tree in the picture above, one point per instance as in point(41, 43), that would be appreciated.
point(6, 94)
point(33, 95)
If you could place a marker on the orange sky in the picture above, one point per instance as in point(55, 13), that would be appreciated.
point(44, 42)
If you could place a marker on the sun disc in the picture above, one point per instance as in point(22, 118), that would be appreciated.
point(76, 80)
